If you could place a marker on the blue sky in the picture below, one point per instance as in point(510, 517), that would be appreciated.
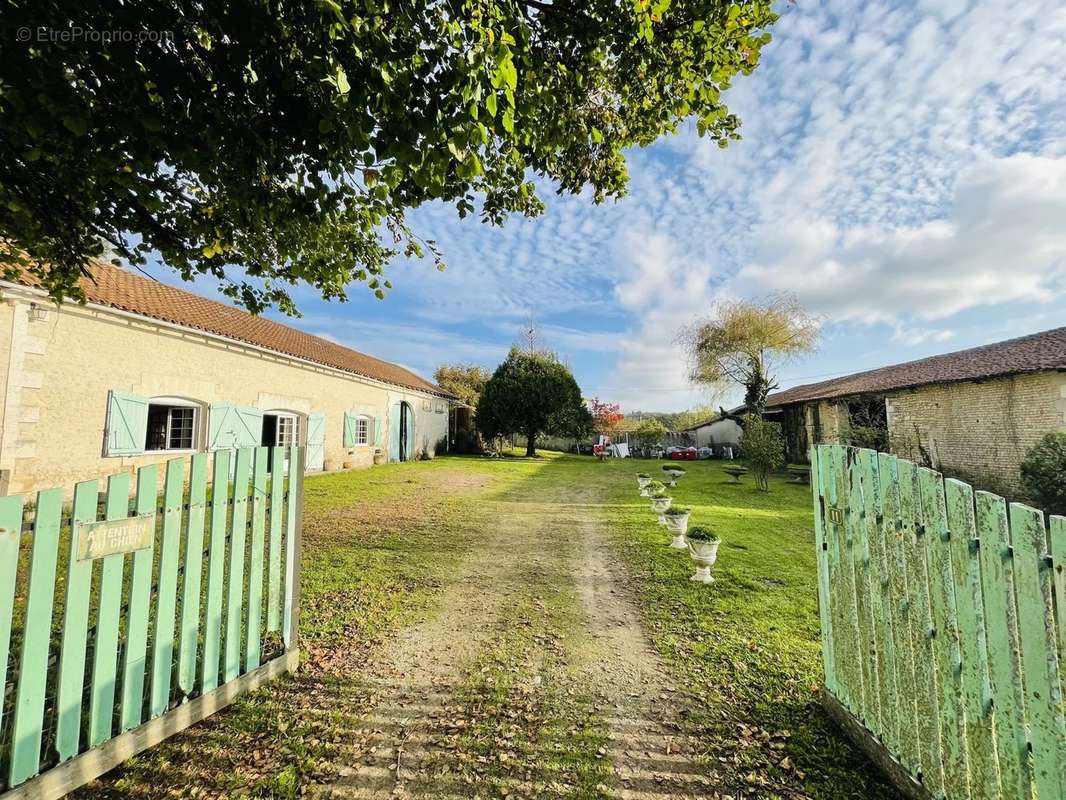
point(903, 171)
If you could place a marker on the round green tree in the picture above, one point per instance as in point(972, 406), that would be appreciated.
point(289, 140)
point(764, 448)
point(531, 394)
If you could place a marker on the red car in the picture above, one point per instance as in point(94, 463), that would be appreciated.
point(686, 454)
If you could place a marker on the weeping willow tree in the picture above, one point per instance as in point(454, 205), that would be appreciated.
point(744, 342)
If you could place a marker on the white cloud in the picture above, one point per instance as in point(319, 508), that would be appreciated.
point(911, 337)
point(1004, 240)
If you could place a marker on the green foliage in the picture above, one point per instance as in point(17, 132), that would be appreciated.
point(764, 447)
point(643, 475)
point(290, 139)
point(678, 511)
point(532, 394)
point(701, 534)
point(465, 381)
point(1044, 472)
point(862, 436)
point(673, 468)
point(660, 496)
point(656, 487)
point(650, 432)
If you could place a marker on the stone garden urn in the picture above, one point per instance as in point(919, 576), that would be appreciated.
point(703, 549)
point(642, 484)
point(673, 475)
point(659, 505)
point(677, 524)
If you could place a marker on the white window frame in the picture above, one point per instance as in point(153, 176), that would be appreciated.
point(297, 425)
point(197, 422)
point(296, 428)
point(362, 430)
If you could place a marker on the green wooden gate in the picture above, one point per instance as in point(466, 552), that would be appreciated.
point(943, 615)
point(131, 614)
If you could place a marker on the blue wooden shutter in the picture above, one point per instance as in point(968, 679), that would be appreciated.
point(249, 425)
point(372, 430)
point(127, 424)
point(348, 434)
point(316, 442)
point(221, 435)
point(234, 426)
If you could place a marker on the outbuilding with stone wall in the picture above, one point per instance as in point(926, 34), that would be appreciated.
point(973, 413)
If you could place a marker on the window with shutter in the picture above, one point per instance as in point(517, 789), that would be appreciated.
point(127, 424)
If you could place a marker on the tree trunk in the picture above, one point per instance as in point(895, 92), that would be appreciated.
point(531, 445)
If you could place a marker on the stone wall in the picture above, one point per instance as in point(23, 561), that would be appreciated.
point(980, 430)
point(57, 372)
point(977, 430)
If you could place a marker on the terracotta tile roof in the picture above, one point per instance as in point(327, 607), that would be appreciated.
point(123, 290)
point(1037, 352)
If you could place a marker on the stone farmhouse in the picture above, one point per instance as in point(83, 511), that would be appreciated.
point(144, 372)
point(973, 413)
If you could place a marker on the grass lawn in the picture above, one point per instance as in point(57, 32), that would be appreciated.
point(384, 546)
point(747, 646)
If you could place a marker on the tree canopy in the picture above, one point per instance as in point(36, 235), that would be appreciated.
point(465, 381)
point(743, 343)
point(650, 432)
point(531, 394)
point(268, 143)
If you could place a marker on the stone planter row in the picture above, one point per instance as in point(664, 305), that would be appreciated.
point(704, 553)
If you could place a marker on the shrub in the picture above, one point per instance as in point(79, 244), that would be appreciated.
point(699, 534)
point(764, 447)
point(643, 475)
point(1044, 472)
point(862, 436)
point(656, 487)
point(672, 468)
point(660, 496)
point(677, 511)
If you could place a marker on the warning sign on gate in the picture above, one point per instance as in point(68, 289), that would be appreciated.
point(111, 537)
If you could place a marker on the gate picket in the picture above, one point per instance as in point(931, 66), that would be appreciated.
point(105, 652)
point(1036, 633)
point(860, 553)
point(216, 567)
point(1057, 526)
point(193, 575)
point(873, 516)
point(255, 561)
point(822, 553)
point(292, 504)
point(899, 607)
point(921, 627)
point(277, 500)
point(71, 682)
point(10, 537)
point(1004, 654)
point(27, 725)
point(140, 601)
point(166, 595)
point(851, 639)
point(946, 634)
point(964, 544)
point(235, 591)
